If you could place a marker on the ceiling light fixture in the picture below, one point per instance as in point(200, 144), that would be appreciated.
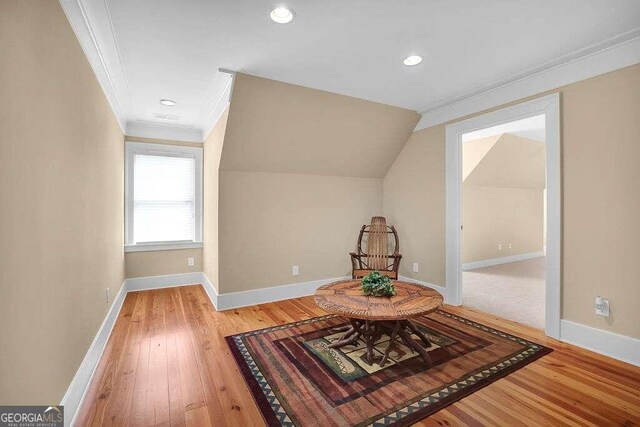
point(412, 60)
point(281, 15)
point(168, 102)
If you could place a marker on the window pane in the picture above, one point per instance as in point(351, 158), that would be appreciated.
point(164, 202)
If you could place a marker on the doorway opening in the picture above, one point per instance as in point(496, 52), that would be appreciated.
point(503, 252)
point(503, 220)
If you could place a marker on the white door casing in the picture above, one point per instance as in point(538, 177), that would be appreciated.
point(548, 105)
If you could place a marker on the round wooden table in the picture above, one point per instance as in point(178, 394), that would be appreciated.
point(369, 317)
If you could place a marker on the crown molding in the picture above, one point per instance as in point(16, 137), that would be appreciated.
point(219, 104)
point(92, 24)
point(610, 55)
point(146, 129)
point(101, 50)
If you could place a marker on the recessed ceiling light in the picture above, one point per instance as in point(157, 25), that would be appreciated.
point(412, 60)
point(281, 15)
point(168, 102)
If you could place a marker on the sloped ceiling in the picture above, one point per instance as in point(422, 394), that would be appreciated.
point(474, 151)
point(280, 127)
point(511, 161)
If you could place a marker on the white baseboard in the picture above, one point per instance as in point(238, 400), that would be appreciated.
point(441, 289)
point(210, 290)
point(275, 293)
point(621, 347)
point(75, 393)
point(502, 260)
point(159, 282)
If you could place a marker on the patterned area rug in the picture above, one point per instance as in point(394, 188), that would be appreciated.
point(297, 380)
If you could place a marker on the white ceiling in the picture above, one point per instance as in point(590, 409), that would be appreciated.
point(152, 49)
point(530, 128)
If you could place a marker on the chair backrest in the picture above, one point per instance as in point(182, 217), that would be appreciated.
point(378, 247)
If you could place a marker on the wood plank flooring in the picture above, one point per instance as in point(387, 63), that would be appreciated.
point(166, 363)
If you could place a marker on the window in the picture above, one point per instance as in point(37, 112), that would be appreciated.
point(163, 197)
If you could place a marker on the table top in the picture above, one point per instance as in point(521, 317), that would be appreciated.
point(346, 299)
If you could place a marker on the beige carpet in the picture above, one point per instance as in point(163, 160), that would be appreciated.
point(514, 291)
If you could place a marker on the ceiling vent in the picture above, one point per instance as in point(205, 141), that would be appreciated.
point(162, 116)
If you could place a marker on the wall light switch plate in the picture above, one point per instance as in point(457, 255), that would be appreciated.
point(295, 270)
point(602, 307)
point(415, 267)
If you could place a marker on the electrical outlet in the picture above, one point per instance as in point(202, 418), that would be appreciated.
point(415, 267)
point(602, 307)
point(190, 261)
point(108, 295)
point(295, 270)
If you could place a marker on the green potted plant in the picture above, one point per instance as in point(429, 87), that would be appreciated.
point(377, 285)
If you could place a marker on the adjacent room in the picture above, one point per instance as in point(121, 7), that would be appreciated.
point(319, 213)
point(504, 220)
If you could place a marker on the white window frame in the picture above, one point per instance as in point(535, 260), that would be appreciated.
point(133, 148)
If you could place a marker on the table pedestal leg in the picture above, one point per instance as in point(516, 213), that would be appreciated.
point(369, 340)
point(351, 336)
point(419, 333)
point(370, 331)
point(394, 332)
point(405, 334)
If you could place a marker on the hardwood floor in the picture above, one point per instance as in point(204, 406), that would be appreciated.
point(166, 363)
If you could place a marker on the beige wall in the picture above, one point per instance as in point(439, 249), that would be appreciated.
point(272, 221)
point(601, 199)
point(280, 127)
point(414, 202)
point(502, 201)
point(474, 151)
point(513, 161)
point(300, 172)
point(61, 203)
point(212, 153)
point(159, 263)
point(501, 215)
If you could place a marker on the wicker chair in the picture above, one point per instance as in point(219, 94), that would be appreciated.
point(381, 253)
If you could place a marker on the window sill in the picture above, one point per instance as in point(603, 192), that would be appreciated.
point(148, 247)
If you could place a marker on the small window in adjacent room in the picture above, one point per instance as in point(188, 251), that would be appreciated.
point(163, 197)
